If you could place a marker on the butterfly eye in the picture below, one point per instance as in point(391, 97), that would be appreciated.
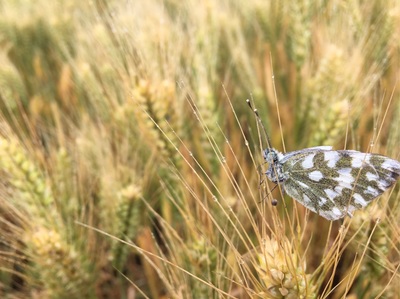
point(266, 155)
point(270, 156)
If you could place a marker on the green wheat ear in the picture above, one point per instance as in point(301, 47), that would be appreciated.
point(299, 32)
point(61, 270)
point(330, 129)
point(202, 260)
point(209, 135)
point(157, 117)
point(373, 237)
point(128, 218)
point(281, 272)
point(34, 193)
point(328, 105)
point(56, 268)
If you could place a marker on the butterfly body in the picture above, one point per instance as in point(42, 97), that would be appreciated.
point(331, 183)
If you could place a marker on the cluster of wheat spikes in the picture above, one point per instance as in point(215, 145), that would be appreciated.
point(130, 161)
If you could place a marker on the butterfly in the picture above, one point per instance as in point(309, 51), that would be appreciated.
point(330, 183)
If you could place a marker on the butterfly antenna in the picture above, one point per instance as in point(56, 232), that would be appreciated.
point(255, 111)
point(274, 202)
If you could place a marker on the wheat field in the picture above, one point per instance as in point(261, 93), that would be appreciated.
point(131, 164)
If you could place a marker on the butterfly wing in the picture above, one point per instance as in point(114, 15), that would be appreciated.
point(336, 183)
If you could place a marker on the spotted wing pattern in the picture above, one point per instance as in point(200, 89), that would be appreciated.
point(332, 183)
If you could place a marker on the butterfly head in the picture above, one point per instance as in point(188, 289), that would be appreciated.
point(271, 155)
point(274, 172)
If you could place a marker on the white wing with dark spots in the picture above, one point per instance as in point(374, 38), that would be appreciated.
point(332, 183)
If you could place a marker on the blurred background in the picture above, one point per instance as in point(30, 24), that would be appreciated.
point(130, 162)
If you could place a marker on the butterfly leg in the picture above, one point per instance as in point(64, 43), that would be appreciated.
point(274, 202)
point(261, 174)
